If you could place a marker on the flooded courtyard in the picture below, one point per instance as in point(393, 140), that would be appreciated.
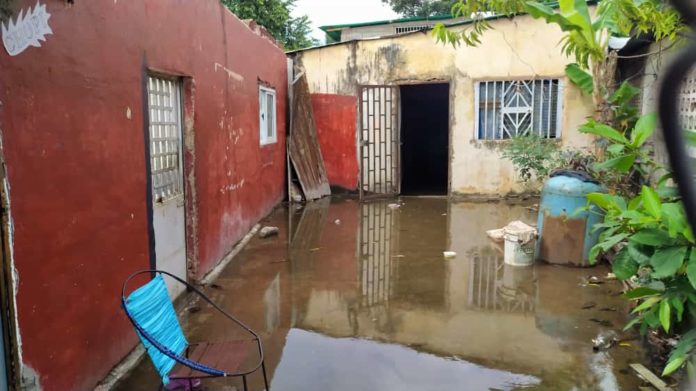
point(355, 296)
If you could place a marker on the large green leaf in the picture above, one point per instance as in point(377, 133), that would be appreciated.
point(612, 241)
point(621, 164)
point(652, 237)
point(603, 200)
point(651, 201)
point(608, 12)
point(580, 78)
point(641, 293)
point(675, 218)
point(634, 203)
point(677, 303)
point(645, 127)
point(665, 315)
point(604, 245)
point(605, 131)
point(577, 13)
point(624, 94)
point(639, 253)
point(616, 149)
point(646, 305)
point(667, 261)
point(539, 10)
point(680, 354)
point(624, 267)
point(691, 268)
point(674, 363)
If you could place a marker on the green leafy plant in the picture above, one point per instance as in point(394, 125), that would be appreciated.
point(644, 228)
point(276, 17)
point(626, 162)
point(585, 37)
point(534, 157)
point(656, 252)
point(420, 8)
point(625, 153)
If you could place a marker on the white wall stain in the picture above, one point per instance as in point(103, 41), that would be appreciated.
point(232, 187)
point(230, 73)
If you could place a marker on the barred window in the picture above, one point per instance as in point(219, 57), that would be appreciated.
point(506, 109)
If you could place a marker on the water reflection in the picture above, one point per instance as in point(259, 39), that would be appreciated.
point(355, 364)
point(474, 307)
point(358, 296)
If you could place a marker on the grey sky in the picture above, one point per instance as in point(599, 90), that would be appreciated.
point(327, 12)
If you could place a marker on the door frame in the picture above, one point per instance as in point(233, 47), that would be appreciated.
point(450, 133)
point(186, 111)
point(8, 317)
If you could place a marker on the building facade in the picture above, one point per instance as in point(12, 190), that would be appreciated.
point(135, 135)
point(431, 118)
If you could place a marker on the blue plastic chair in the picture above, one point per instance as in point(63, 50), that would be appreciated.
point(150, 310)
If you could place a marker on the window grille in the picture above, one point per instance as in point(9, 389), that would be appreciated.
point(506, 109)
point(267, 116)
point(408, 29)
point(687, 108)
point(164, 103)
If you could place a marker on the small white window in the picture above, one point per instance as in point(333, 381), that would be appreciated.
point(506, 109)
point(267, 116)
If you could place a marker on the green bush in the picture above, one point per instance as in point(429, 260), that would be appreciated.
point(656, 252)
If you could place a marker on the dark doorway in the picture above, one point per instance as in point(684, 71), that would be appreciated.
point(424, 139)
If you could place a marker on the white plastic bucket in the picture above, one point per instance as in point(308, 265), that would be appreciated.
point(516, 253)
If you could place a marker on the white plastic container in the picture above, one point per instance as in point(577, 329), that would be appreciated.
point(518, 254)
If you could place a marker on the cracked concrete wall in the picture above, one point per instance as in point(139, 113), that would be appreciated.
point(523, 48)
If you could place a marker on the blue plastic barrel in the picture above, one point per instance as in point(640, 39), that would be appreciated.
point(565, 231)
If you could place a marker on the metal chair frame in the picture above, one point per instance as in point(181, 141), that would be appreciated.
point(184, 360)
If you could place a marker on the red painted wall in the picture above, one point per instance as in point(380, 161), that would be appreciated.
point(76, 163)
point(336, 117)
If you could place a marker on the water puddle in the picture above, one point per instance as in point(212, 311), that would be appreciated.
point(357, 296)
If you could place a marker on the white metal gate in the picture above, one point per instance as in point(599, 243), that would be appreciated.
point(166, 170)
point(379, 142)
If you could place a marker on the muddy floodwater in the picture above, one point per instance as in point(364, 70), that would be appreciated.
point(358, 297)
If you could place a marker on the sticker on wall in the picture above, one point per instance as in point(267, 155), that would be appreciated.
point(27, 30)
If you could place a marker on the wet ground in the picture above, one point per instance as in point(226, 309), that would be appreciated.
point(357, 296)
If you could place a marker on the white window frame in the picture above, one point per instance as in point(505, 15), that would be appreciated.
point(265, 139)
point(558, 104)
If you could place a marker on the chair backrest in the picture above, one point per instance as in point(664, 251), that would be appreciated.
point(151, 311)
